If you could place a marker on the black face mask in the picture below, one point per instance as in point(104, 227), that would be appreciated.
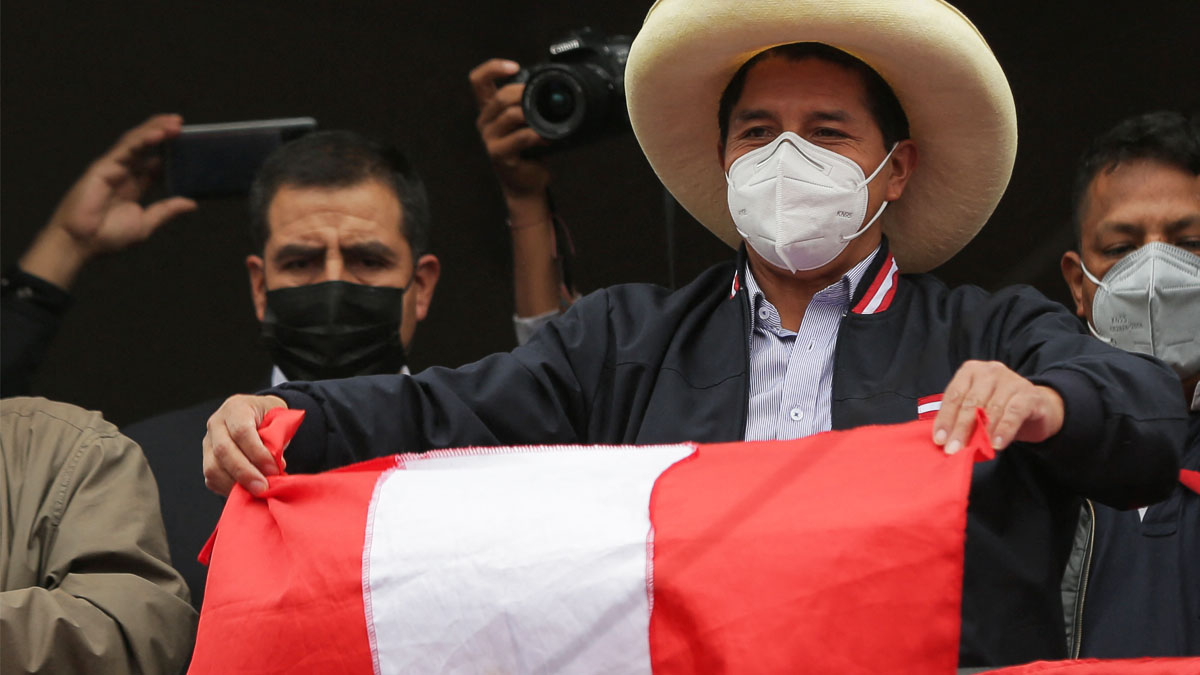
point(334, 329)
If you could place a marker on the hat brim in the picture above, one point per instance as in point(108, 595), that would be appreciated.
point(957, 99)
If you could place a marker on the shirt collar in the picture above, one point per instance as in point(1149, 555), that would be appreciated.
point(278, 378)
point(837, 294)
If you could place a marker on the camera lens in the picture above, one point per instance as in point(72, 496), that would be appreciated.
point(579, 93)
point(555, 101)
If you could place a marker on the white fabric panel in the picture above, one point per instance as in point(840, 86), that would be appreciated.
point(518, 560)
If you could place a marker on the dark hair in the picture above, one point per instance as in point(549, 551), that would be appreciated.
point(337, 159)
point(881, 100)
point(1165, 136)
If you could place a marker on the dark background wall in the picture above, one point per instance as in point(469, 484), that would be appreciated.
point(169, 322)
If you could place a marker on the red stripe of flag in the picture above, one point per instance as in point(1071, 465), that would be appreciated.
point(242, 626)
point(808, 555)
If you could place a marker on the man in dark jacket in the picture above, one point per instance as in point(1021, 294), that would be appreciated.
point(1135, 278)
point(812, 327)
point(100, 214)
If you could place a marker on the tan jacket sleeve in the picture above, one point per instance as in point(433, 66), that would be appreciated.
point(87, 581)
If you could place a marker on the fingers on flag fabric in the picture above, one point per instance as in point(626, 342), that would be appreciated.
point(838, 553)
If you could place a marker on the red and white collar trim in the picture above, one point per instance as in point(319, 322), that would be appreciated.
point(879, 296)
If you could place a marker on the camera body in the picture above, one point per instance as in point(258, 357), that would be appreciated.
point(578, 94)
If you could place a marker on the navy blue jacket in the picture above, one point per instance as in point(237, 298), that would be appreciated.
point(642, 364)
point(1143, 591)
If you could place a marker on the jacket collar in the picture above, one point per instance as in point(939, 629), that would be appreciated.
point(884, 274)
point(869, 298)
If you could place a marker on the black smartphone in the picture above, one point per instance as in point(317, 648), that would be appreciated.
point(220, 160)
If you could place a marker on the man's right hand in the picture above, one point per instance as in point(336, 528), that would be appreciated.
point(233, 451)
point(501, 125)
point(101, 213)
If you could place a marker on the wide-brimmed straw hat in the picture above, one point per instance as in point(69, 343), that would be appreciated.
point(959, 105)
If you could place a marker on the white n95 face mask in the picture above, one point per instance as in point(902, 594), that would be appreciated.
point(799, 204)
point(1149, 302)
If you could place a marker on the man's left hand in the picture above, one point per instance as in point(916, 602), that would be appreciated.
point(1017, 409)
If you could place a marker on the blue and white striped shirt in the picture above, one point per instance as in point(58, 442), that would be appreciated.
point(791, 373)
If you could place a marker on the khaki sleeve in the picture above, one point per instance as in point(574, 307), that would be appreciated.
point(109, 601)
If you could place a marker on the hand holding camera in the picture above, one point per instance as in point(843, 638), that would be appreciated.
point(577, 95)
point(501, 125)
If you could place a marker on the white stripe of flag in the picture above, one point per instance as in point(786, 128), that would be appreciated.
point(548, 546)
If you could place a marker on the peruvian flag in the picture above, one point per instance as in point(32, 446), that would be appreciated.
point(838, 553)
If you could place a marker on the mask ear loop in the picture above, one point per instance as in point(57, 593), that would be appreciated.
point(412, 277)
point(1091, 278)
point(882, 206)
point(866, 227)
point(1150, 301)
point(1101, 285)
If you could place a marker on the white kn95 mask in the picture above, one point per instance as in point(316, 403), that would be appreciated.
point(798, 204)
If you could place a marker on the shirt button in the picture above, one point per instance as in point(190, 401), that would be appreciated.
point(764, 313)
point(810, 346)
point(797, 414)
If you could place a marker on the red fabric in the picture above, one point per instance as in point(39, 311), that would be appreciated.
point(1152, 666)
point(1190, 479)
point(284, 590)
point(277, 428)
point(837, 553)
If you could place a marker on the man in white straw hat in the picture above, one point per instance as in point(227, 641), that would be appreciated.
point(797, 150)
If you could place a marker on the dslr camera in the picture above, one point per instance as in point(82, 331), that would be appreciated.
point(578, 94)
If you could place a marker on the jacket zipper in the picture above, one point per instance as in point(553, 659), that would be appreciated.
point(746, 320)
point(1083, 580)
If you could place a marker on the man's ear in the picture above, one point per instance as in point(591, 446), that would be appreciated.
point(425, 278)
point(256, 268)
point(1072, 271)
point(902, 164)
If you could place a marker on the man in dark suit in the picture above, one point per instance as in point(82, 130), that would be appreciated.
point(340, 276)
